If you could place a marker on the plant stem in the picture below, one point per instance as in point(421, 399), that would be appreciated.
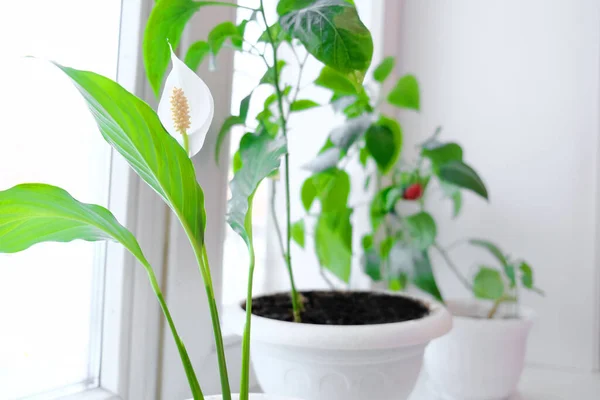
point(276, 220)
point(494, 309)
point(245, 380)
point(452, 266)
point(288, 256)
point(187, 364)
point(202, 258)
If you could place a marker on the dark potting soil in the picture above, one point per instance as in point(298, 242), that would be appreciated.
point(341, 308)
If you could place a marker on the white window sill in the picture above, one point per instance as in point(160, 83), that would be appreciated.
point(92, 394)
point(543, 384)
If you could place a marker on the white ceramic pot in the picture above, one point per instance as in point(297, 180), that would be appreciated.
point(324, 362)
point(481, 359)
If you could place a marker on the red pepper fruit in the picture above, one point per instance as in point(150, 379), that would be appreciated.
point(413, 192)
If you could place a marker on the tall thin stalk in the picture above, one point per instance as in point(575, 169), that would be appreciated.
point(283, 120)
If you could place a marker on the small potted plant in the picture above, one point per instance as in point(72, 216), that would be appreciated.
point(158, 147)
point(312, 345)
point(483, 357)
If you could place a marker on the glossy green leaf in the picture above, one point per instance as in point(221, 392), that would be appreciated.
point(384, 69)
point(269, 76)
point(338, 82)
point(488, 284)
point(526, 275)
point(132, 128)
point(303, 104)
point(278, 35)
point(220, 33)
point(331, 31)
point(460, 174)
point(443, 154)
point(492, 248)
point(196, 54)
point(37, 213)
point(406, 93)
point(333, 243)
point(424, 278)
point(384, 142)
point(422, 230)
point(229, 123)
point(260, 156)
point(165, 25)
point(298, 233)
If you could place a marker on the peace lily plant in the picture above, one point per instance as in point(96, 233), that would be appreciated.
point(158, 148)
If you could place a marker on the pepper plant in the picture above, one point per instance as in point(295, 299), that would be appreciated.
point(328, 30)
point(402, 232)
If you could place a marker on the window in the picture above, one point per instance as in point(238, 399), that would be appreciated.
point(51, 295)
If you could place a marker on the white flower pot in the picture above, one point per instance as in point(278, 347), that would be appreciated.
point(481, 359)
point(326, 362)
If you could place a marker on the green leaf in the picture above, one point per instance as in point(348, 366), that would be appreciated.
point(386, 246)
point(424, 278)
point(367, 242)
point(245, 106)
point(269, 76)
point(457, 204)
point(526, 275)
point(333, 190)
point(462, 175)
point(132, 128)
point(398, 284)
point(488, 284)
point(333, 243)
point(406, 93)
point(372, 265)
point(220, 33)
point(308, 193)
point(364, 156)
point(384, 69)
point(196, 54)
point(492, 248)
point(298, 233)
point(384, 142)
point(229, 123)
point(422, 229)
point(331, 31)
point(260, 156)
point(37, 213)
point(165, 25)
point(443, 154)
point(278, 35)
point(236, 163)
point(301, 105)
point(336, 81)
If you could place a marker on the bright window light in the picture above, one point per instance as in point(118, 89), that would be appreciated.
point(51, 295)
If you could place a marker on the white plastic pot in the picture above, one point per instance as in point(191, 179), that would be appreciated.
point(324, 362)
point(481, 359)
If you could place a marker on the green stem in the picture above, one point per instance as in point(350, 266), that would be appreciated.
point(452, 266)
point(245, 377)
point(186, 142)
point(288, 256)
point(202, 258)
point(187, 364)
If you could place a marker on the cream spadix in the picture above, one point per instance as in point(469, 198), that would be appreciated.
point(186, 107)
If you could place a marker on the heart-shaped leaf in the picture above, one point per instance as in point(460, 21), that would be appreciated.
point(422, 229)
point(384, 142)
point(406, 93)
point(488, 284)
point(384, 69)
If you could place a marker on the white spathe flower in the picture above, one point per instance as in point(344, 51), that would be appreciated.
point(186, 108)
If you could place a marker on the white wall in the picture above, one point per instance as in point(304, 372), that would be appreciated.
point(516, 82)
